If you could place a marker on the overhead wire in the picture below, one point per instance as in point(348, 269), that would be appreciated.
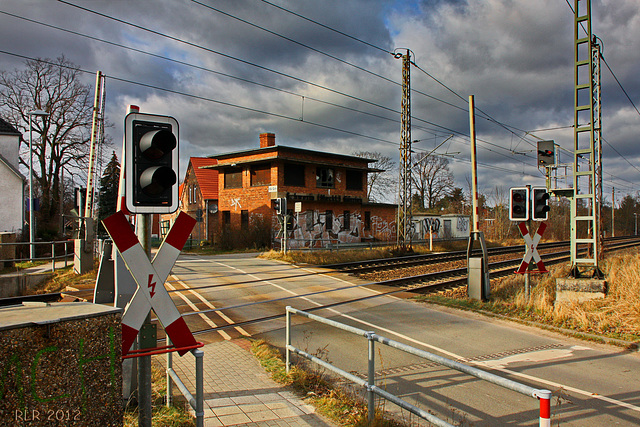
point(252, 64)
point(306, 82)
point(328, 27)
point(281, 116)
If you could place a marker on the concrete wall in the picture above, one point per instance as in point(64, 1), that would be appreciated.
point(443, 227)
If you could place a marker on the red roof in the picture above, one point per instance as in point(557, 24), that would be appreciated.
point(207, 178)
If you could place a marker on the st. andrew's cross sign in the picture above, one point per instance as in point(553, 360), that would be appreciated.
point(150, 277)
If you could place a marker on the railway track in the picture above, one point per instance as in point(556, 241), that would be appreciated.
point(420, 284)
point(448, 279)
point(435, 258)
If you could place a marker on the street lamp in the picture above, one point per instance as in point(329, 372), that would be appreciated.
point(32, 251)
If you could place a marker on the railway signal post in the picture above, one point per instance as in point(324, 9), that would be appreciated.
point(527, 205)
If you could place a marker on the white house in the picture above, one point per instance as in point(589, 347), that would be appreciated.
point(12, 183)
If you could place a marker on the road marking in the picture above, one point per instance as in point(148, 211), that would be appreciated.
point(442, 351)
point(211, 306)
point(204, 317)
point(507, 371)
point(349, 283)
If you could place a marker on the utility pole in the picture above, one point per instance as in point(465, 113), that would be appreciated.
point(404, 196)
point(597, 132)
point(474, 166)
point(584, 209)
point(478, 281)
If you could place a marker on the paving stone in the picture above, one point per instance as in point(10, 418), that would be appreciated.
point(262, 416)
point(229, 420)
point(239, 392)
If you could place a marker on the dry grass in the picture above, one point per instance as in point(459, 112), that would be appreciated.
point(162, 416)
point(65, 277)
point(334, 402)
point(322, 257)
point(616, 316)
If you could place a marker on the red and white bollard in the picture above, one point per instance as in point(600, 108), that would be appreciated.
point(544, 396)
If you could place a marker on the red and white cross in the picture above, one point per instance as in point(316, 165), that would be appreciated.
point(531, 252)
point(150, 277)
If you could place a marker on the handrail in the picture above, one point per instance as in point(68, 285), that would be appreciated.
point(197, 401)
point(544, 396)
point(51, 258)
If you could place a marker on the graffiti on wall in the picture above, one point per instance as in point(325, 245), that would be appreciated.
point(463, 224)
point(440, 227)
point(317, 229)
point(235, 203)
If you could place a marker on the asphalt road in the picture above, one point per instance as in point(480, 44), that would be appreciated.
point(593, 385)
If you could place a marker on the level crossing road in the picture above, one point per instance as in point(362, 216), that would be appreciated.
point(592, 384)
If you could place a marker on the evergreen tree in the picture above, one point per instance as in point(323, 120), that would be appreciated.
point(108, 199)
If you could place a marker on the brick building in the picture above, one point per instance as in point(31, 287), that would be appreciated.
point(331, 190)
point(199, 197)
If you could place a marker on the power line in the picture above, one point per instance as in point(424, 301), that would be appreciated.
point(207, 99)
point(619, 84)
point(119, 45)
point(306, 46)
point(247, 62)
point(328, 27)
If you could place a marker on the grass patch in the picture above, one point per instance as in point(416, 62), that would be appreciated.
point(617, 316)
point(331, 401)
point(18, 266)
point(324, 257)
point(162, 416)
point(64, 277)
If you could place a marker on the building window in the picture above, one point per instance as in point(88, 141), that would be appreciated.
point(346, 221)
point(261, 175)
point(324, 177)
point(226, 217)
point(233, 178)
point(367, 220)
point(354, 180)
point(328, 220)
point(193, 193)
point(244, 220)
point(294, 175)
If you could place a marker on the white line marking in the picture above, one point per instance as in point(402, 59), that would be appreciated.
point(202, 315)
point(211, 306)
point(448, 353)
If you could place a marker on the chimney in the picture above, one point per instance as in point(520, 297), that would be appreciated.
point(267, 140)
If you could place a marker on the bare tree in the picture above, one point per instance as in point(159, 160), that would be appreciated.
point(501, 223)
point(60, 139)
point(431, 178)
point(380, 185)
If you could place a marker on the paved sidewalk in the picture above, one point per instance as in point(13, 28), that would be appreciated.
point(238, 392)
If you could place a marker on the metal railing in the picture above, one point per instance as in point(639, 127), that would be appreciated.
point(197, 402)
point(544, 396)
point(53, 257)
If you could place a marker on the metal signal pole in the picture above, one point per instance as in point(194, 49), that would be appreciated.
point(404, 196)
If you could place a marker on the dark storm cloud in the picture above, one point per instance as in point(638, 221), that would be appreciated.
point(515, 56)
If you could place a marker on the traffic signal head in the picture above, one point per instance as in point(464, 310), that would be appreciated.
point(151, 163)
point(280, 205)
point(540, 211)
point(519, 204)
point(546, 153)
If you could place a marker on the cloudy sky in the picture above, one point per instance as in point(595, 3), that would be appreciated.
point(321, 74)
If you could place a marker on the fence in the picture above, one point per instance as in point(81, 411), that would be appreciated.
point(46, 257)
point(544, 396)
